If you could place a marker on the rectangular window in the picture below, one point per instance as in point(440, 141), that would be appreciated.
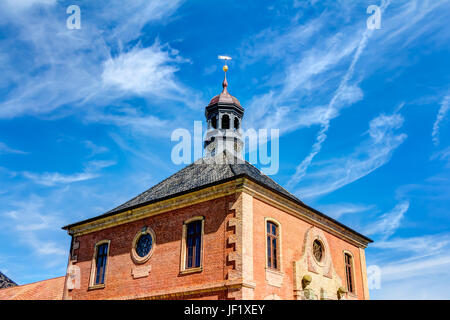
point(193, 244)
point(272, 245)
point(349, 272)
point(100, 263)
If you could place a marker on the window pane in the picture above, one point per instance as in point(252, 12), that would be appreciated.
point(269, 253)
point(193, 244)
point(197, 251)
point(275, 253)
point(100, 263)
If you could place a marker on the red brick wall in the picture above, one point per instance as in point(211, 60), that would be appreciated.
point(165, 261)
point(293, 235)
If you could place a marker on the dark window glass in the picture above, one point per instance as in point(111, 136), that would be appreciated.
point(236, 123)
point(349, 272)
point(100, 263)
point(225, 122)
point(272, 245)
point(194, 244)
point(214, 122)
point(144, 245)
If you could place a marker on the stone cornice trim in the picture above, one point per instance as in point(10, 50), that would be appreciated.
point(301, 212)
point(156, 208)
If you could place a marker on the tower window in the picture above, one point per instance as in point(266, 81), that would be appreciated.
point(349, 272)
point(214, 122)
point(236, 123)
point(272, 245)
point(225, 122)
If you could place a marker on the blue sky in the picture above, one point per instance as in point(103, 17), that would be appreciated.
point(86, 117)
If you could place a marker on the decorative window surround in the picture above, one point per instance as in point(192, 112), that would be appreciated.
point(353, 294)
point(183, 268)
point(134, 255)
point(92, 285)
point(279, 247)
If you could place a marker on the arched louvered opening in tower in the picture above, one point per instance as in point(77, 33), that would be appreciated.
point(225, 121)
point(236, 123)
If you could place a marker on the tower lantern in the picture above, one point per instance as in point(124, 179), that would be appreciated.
point(224, 116)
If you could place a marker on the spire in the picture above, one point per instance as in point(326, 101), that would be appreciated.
point(225, 69)
point(225, 82)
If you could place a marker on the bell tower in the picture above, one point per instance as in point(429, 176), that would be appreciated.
point(224, 116)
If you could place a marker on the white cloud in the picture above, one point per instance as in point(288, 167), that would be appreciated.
point(421, 245)
point(95, 149)
point(26, 4)
point(443, 110)
point(61, 71)
point(52, 178)
point(29, 221)
point(4, 149)
point(367, 157)
point(389, 222)
point(145, 71)
point(338, 210)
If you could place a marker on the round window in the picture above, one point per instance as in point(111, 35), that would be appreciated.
point(318, 250)
point(143, 245)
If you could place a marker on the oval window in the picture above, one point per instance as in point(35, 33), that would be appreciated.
point(318, 250)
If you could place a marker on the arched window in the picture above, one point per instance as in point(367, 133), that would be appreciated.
point(236, 123)
point(273, 245)
point(225, 121)
point(99, 264)
point(349, 272)
point(214, 122)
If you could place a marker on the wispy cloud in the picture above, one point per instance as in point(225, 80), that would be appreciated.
point(30, 222)
point(342, 93)
point(4, 149)
point(70, 72)
point(371, 154)
point(443, 110)
point(146, 71)
point(389, 222)
point(95, 149)
point(338, 210)
point(52, 178)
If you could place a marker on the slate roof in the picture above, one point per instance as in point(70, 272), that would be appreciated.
point(6, 282)
point(204, 173)
point(201, 173)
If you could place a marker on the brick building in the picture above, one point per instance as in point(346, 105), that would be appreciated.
point(217, 229)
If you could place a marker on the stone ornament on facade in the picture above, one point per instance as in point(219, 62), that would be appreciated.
point(314, 274)
point(143, 245)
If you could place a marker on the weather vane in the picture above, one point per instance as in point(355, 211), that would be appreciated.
point(225, 58)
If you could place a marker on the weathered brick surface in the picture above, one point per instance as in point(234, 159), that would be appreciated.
point(224, 257)
point(293, 234)
point(165, 261)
